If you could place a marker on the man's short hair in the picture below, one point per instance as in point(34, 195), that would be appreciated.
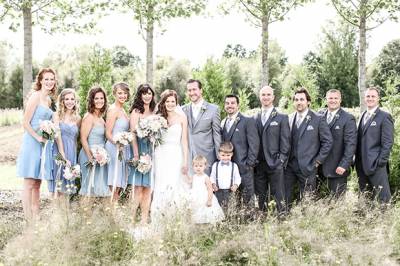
point(334, 91)
point(374, 88)
point(233, 96)
point(195, 80)
point(226, 147)
point(302, 90)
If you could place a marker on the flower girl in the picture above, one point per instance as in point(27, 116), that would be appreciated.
point(204, 205)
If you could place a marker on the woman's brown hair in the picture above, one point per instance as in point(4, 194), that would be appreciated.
point(162, 109)
point(90, 100)
point(39, 77)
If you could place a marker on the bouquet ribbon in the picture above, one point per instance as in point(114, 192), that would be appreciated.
point(91, 178)
point(43, 161)
point(115, 173)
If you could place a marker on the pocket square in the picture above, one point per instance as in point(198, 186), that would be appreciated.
point(237, 130)
point(373, 124)
point(273, 123)
point(310, 127)
point(337, 127)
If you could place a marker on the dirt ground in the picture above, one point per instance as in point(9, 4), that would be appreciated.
point(10, 141)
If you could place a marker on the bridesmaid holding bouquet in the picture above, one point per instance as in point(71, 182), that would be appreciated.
point(34, 160)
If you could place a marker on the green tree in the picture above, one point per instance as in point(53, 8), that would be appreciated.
point(387, 64)
point(365, 15)
point(97, 71)
point(215, 86)
point(122, 57)
point(50, 16)
point(262, 13)
point(296, 76)
point(335, 64)
point(152, 13)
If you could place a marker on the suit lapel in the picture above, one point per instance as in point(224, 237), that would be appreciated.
point(233, 127)
point(304, 124)
point(269, 119)
point(335, 118)
point(370, 120)
point(202, 111)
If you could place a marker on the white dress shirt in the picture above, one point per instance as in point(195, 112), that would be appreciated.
point(333, 113)
point(196, 107)
point(303, 115)
point(224, 175)
point(265, 113)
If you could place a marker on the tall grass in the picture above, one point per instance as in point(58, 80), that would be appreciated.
point(10, 117)
point(350, 231)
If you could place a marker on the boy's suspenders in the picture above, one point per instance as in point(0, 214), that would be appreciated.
point(216, 174)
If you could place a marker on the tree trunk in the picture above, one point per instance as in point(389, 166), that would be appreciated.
point(362, 68)
point(264, 51)
point(27, 79)
point(149, 53)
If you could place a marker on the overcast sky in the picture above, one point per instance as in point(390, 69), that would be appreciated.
point(198, 38)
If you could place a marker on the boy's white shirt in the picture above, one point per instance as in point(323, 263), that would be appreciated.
point(224, 175)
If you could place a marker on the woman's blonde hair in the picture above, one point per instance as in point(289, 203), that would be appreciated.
point(61, 108)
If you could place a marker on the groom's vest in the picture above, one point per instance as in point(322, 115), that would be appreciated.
point(216, 174)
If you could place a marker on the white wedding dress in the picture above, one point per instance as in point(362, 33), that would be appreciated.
point(170, 194)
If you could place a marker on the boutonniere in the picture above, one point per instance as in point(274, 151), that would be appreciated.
point(308, 118)
point(336, 116)
point(203, 109)
point(273, 114)
point(237, 119)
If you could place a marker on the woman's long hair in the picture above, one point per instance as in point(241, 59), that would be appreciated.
point(62, 109)
point(162, 109)
point(39, 77)
point(138, 103)
point(90, 100)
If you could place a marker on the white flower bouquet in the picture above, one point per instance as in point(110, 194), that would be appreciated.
point(143, 164)
point(152, 127)
point(48, 130)
point(122, 139)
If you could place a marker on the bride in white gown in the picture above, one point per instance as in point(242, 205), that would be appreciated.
point(170, 195)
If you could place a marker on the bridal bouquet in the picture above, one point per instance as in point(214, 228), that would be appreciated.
point(143, 164)
point(48, 129)
point(70, 173)
point(122, 139)
point(153, 128)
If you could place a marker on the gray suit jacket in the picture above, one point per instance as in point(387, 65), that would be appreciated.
point(344, 132)
point(315, 141)
point(245, 140)
point(275, 135)
point(204, 132)
point(375, 141)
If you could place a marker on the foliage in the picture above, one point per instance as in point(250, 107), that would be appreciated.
point(335, 64)
point(172, 74)
point(387, 64)
point(122, 57)
point(262, 13)
point(96, 71)
point(392, 102)
point(238, 51)
point(296, 76)
point(348, 231)
point(151, 13)
point(215, 87)
point(10, 117)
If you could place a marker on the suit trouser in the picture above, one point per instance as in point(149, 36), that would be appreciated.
point(378, 183)
point(264, 178)
point(246, 189)
point(337, 185)
point(223, 196)
point(293, 175)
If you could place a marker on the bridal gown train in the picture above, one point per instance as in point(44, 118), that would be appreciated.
point(170, 195)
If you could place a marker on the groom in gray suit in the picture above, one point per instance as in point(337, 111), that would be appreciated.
point(375, 141)
point(311, 142)
point(241, 131)
point(204, 123)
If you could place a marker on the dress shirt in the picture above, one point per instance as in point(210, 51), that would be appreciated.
point(224, 175)
point(196, 107)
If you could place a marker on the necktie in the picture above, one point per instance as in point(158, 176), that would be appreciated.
point(329, 118)
point(228, 124)
point(264, 117)
point(299, 120)
point(366, 118)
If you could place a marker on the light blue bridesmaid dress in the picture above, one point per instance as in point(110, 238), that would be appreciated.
point(100, 188)
point(69, 135)
point(121, 124)
point(29, 158)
